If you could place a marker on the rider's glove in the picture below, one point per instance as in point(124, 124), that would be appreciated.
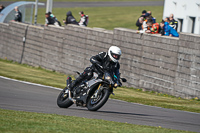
point(117, 84)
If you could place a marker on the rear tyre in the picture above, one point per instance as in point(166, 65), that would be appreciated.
point(96, 102)
point(63, 99)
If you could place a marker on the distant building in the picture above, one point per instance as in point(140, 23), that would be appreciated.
point(186, 12)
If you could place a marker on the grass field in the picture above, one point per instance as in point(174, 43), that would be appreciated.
point(46, 77)
point(106, 17)
point(27, 122)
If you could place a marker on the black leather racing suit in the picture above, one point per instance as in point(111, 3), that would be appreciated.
point(100, 62)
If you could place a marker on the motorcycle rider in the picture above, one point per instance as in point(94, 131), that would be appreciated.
point(101, 62)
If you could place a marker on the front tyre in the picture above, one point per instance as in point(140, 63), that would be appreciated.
point(63, 100)
point(97, 100)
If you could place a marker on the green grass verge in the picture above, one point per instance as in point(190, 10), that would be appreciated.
point(32, 74)
point(105, 17)
point(23, 122)
point(46, 77)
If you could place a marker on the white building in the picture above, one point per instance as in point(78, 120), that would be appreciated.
point(186, 12)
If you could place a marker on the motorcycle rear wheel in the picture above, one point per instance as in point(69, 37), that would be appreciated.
point(63, 99)
point(94, 104)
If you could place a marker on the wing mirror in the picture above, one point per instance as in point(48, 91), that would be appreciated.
point(123, 79)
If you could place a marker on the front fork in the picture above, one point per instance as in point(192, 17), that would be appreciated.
point(100, 87)
point(68, 82)
point(97, 91)
point(70, 97)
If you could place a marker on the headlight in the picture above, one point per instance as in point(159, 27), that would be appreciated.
point(115, 85)
point(108, 77)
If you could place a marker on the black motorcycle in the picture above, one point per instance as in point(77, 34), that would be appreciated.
point(92, 94)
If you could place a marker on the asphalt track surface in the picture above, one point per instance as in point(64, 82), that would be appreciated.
point(15, 95)
point(99, 4)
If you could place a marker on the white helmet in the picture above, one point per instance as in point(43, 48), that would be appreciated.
point(114, 53)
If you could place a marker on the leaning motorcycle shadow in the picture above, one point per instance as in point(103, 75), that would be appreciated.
point(122, 113)
point(104, 112)
point(118, 114)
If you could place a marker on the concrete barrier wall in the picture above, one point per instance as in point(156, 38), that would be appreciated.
point(151, 62)
point(188, 70)
point(3, 40)
point(12, 40)
point(33, 46)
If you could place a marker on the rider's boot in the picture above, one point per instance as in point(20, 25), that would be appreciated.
point(71, 87)
point(75, 83)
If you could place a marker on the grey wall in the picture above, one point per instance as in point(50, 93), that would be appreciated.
point(151, 62)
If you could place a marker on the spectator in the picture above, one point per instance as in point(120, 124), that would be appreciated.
point(150, 14)
point(173, 23)
point(168, 30)
point(138, 23)
point(18, 15)
point(141, 21)
point(145, 25)
point(143, 13)
point(1, 8)
point(83, 20)
point(155, 28)
point(146, 16)
point(161, 28)
point(49, 20)
point(149, 25)
point(70, 19)
point(167, 19)
point(57, 23)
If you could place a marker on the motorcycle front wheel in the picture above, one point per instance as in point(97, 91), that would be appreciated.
point(63, 101)
point(98, 99)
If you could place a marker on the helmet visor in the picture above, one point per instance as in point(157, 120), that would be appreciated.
point(115, 56)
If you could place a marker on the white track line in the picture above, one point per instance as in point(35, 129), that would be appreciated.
point(30, 83)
